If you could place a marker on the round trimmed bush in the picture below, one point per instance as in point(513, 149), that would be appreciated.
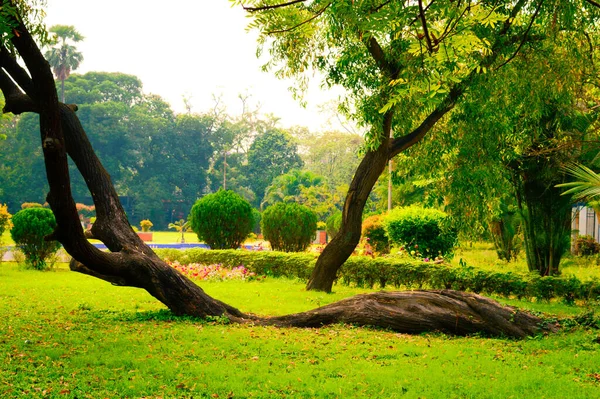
point(223, 219)
point(374, 230)
point(30, 226)
point(289, 227)
point(424, 232)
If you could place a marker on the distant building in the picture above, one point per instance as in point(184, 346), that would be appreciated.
point(585, 222)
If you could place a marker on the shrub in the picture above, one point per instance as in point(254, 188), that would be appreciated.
point(222, 219)
point(289, 227)
point(26, 205)
point(374, 230)
point(333, 224)
point(423, 232)
point(30, 226)
point(586, 245)
point(5, 222)
point(403, 273)
point(146, 225)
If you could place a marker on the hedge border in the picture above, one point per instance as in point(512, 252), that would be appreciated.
point(400, 273)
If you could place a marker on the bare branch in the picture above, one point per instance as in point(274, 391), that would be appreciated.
point(274, 6)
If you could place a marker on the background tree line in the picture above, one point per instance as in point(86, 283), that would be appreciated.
point(161, 162)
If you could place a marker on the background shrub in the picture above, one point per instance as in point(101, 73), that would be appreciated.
point(374, 229)
point(333, 224)
point(222, 219)
point(400, 272)
point(5, 222)
point(26, 205)
point(30, 226)
point(426, 232)
point(146, 225)
point(586, 245)
point(289, 227)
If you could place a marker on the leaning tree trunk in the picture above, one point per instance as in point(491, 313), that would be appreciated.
point(131, 263)
point(347, 238)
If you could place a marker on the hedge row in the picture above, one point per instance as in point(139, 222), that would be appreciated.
point(400, 273)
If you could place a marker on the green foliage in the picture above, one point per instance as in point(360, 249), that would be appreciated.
point(586, 245)
point(257, 218)
point(272, 154)
point(30, 226)
point(180, 226)
point(399, 272)
point(63, 57)
point(305, 188)
point(26, 205)
point(5, 222)
point(587, 185)
point(373, 228)
point(222, 219)
point(423, 232)
point(333, 223)
point(289, 227)
point(333, 155)
point(505, 230)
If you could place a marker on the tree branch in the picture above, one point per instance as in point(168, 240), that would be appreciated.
point(524, 36)
point(402, 143)
point(425, 29)
point(317, 14)
point(594, 3)
point(20, 76)
point(272, 7)
point(378, 55)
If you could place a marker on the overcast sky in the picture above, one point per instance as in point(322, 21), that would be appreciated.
point(195, 48)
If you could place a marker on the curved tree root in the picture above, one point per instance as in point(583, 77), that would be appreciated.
point(414, 312)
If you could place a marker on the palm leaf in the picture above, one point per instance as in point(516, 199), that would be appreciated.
point(587, 184)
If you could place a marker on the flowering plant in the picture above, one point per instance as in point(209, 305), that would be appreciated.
point(214, 272)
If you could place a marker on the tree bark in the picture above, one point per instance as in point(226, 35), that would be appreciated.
point(130, 262)
point(415, 312)
point(345, 241)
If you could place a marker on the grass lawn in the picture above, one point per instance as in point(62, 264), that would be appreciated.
point(66, 335)
point(483, 255)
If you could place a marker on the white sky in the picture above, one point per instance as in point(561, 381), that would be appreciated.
point(195, 48)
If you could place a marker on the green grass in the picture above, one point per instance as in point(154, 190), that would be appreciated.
point(170, 237)
point(483, 255)
point(66, 335)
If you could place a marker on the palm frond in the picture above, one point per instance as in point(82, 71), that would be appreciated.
point(587, 184)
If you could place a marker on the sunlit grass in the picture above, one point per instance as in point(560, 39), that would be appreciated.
point(67, 335)
point(483, 255)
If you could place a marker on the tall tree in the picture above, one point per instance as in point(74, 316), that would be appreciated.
point(517, 131)
point(132, 263)
point(302, 187)
point(404, 64)
point(63, 56)
point(273, 153)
